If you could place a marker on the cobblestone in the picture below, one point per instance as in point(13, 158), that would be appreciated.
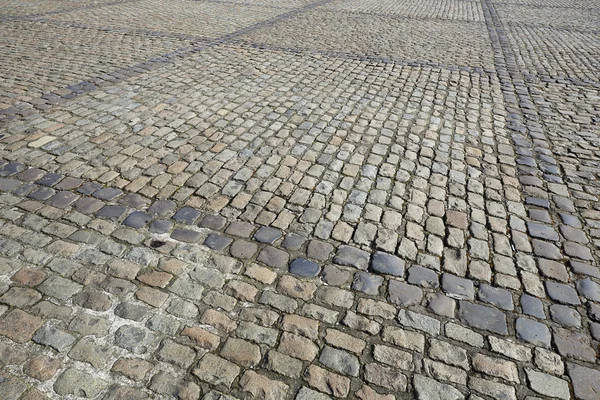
point(233, 199)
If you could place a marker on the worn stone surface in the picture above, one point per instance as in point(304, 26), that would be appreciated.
point(299, 199)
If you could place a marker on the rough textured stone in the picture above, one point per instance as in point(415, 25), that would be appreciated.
point(327, 382)
point(19, 326)
point(216, 370)
point(351, 256)
point(429, 389)
point(367, 283)
point(586, 381)
point(79, 383)
point(548, 385)
point(340, 361)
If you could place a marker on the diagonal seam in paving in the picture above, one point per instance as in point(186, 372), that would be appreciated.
point(121, 74)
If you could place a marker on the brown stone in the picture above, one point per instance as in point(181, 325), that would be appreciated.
point(154, 297)
point(327, 382)
point(123, 269)
point(261, 274)
point(20, 297)
point(219, 320)
point(298, 347)
point(134, 368)
point(241, 352)
point(203, 338)
point(262, 387)
point(241, 290)
point(42, 367)
point(301, 325)
point(29, 276)
point(366, 393)
point(93, 299)
point(19, 326)
point(457, 219)
point(294, 287)
point(172, 265)
point(34, 394)
point(156, 278)
point(344, 341)
point(386, 377)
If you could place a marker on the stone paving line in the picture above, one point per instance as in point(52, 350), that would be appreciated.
point(299, 206)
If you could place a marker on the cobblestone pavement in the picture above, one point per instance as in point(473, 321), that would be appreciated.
point(239, 199)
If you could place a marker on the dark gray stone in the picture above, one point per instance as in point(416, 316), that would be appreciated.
point(134, 200)
point(62, 199)
point(501, 298)
point(217, 242)
point(424, 277)
point(566, 316)
point(533, 332)
point(160, 226)
point(137, 219)
point(187, 215)
point(293, 241)
point(367, 283)
point(274, 257)
point(42, 193)
point(443, 305)
point(131, 311)
point(458, 288)
point(403, 294)
point(482, 317)
point(212, 221)
point(542, 231)
point(107, 193)
point(304, 267)
point(546, 250)
point(562, 293)
point(186, 235)
point(111, 212)
point(89, 187)
point(532, 306)
point(12, 168)
point(351, 256)
point(267, 235)
point(589, 289)
point(25, 189)
point(50, 179)
point(387, 264)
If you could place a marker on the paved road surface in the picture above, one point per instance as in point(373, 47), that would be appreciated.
point(362, 199)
